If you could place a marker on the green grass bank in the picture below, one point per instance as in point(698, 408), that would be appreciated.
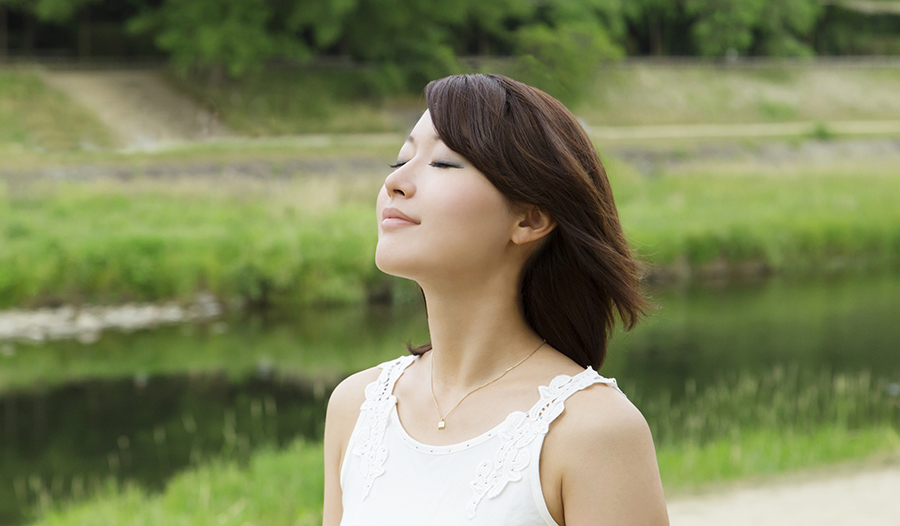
point(292, 239)
point(351, 101)
point(36, 118)
point(340, 100)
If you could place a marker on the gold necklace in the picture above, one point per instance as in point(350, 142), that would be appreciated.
point(443, 422)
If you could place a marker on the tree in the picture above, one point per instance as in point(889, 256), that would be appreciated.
point(724, 25)
point(410, 41)
point(784, 25)
point(560, 50)
point(652, 17)
point(218, 37)
point(63, 11)
point(4, 28)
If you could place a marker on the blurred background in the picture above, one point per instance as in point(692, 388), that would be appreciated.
point(187, 233)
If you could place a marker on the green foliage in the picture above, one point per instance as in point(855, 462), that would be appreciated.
point(409, 40)
point(724, 25)
point(60, 11)
point(785, 27)
point(561, 59)
point(218, 36)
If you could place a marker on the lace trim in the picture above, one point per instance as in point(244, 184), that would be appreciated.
point(520, 429)
point(376, 411)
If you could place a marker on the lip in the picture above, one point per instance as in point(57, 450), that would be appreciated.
point(394, 217)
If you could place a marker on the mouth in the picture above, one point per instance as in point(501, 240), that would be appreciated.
point(393, 217)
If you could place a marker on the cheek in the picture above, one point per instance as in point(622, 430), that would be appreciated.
point(476, 211)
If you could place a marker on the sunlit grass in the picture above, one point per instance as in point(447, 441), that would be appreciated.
point(35, 118)
point(801, 223)
point(291, 239)
point(276, 488)
point(112, 241)
point(297, 101)
point(648, 94)
point(763, 452)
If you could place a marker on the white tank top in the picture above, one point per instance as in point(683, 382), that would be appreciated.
point(390, 479)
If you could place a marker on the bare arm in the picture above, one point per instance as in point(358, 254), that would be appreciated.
point(343, 411)
point(606, 464)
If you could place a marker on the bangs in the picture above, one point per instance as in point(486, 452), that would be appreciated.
point(467, 112)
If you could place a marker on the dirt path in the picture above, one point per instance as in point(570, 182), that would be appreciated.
point(141, 109)
point(711, 131)
point(869, 498)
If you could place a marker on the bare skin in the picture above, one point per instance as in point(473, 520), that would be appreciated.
point(466, 246)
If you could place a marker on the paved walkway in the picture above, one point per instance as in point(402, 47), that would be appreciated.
point(870, 498)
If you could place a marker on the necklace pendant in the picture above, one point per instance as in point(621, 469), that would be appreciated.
point(441, 424)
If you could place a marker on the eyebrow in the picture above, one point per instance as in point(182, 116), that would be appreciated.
point(410, 138)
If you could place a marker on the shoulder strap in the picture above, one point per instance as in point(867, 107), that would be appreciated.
point(554, 396)
point(519, 431)
point(382, 389)
point(375, 411)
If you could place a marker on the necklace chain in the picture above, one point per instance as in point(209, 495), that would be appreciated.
point(443, 418)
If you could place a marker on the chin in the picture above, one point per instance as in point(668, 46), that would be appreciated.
point(394, 262)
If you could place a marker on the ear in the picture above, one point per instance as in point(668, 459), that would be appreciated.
point(533, 225)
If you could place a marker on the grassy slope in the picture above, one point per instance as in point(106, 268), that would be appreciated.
point(287, 102)
point(312, 239)
point(652, 94)
point(36, 118)
point(350, 101)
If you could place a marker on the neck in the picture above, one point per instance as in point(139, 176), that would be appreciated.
point(476, 333)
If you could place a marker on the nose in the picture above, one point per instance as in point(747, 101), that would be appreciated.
point(399, 182)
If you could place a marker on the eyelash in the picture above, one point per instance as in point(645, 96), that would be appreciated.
point(436, 164)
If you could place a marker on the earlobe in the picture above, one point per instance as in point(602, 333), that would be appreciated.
point(534, 225)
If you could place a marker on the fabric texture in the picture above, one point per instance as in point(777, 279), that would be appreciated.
point(389, 478)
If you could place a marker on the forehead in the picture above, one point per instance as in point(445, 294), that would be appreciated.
point(423, 131)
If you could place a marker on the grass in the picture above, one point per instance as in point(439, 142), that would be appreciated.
point(276, 488)
point(35, 118)
point(291, 239)
point(648, 94)
point(341, 100)
point(112, 241)
point(802, 223)
point(687, 467)
point(310, 100)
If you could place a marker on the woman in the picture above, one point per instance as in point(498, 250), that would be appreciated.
point(499, 208)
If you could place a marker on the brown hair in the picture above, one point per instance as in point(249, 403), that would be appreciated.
point(534, 151)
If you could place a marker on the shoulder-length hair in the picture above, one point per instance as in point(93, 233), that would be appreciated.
point(535, 152)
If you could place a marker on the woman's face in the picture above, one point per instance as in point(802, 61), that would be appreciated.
point(438, 216)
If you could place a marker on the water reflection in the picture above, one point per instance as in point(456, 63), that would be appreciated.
point(65, 441)
point(711, 362)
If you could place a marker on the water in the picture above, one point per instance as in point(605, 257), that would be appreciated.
point(144, 405)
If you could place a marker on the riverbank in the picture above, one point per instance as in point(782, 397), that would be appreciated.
point(282, 234)
point(285, 488)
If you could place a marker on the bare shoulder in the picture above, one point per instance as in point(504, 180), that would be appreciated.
point(351, 392)
point(601, 436)
point(343, 411)
point(602, 413)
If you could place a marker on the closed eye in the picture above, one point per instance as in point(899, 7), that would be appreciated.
point(397, 165)
point(442, 164)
